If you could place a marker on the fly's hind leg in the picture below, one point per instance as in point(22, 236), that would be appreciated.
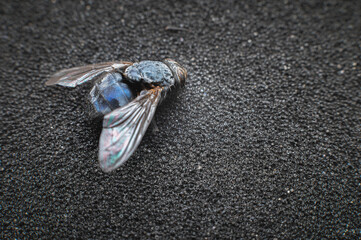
point(155, 128)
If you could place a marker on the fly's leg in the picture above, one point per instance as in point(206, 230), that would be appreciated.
point(155, 128)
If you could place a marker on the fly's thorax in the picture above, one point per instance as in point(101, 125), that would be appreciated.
point(150, 72)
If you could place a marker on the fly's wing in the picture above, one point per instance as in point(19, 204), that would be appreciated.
point(78, 75)
point(124, 128)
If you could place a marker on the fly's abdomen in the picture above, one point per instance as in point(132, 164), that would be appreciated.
point(110, 93)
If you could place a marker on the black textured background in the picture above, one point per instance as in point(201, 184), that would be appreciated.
point(263, 142)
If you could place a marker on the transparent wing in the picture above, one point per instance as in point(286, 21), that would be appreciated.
point(124, 128)
point(75, 76)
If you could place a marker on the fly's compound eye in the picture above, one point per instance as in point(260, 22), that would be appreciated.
point(179, 72)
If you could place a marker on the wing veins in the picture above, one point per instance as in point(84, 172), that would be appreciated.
point(78, 75)
point(128, 128)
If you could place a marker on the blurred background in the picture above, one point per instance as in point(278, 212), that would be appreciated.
point(262, 143)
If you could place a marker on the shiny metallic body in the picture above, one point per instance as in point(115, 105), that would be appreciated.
point(127, 95)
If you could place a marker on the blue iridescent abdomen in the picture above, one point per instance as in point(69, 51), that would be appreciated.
point(110, 93)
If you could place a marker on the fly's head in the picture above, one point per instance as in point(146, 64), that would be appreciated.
point(179, 72)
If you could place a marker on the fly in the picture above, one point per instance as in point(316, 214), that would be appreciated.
point(126, 95)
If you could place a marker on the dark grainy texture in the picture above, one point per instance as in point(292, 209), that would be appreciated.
point(264, 141)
